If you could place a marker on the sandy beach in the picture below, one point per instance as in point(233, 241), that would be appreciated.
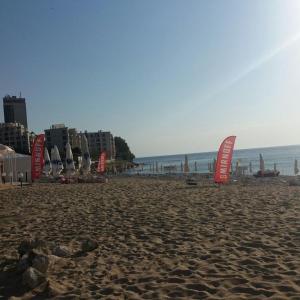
point(157, 239)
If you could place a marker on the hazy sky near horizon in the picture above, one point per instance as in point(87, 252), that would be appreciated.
point(172, 76)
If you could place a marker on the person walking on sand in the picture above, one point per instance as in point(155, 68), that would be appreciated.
point(20, 175)
point(3, 175)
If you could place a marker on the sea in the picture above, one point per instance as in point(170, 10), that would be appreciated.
point(284, 157)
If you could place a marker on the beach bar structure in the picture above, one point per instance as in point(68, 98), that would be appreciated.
point(12, 164)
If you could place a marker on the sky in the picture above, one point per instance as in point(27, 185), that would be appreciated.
point(172, 76)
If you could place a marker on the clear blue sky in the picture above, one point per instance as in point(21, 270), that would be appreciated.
point(172, 76)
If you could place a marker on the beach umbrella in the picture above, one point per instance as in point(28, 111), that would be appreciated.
point(195, 166)
point(70, 165)
point(186, 165)
point(250, 167)
point(275, 167)
point(86, 158)
point(57, 165)
point(214, 165)
point(261, 164)
point(181, 167)
point(237, 164)
point(296, 170)
point(47, 163)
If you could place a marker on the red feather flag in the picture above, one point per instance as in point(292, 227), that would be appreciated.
point(37, 157)
point(223, 164)
point(102, 163)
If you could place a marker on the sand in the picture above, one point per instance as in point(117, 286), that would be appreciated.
point(158, 239)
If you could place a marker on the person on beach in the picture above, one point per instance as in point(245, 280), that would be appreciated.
point(20, 176)
point(11, 177)
point(3, 175)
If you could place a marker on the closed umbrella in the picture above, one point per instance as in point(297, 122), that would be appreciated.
point(86, 158)
point(214, 165)
point(47, 163)
point(296, 170)
point(261, 164)
point(70, 165)
point(56, 162)
point(209, 167)
point(237, 165)
point(186, 165)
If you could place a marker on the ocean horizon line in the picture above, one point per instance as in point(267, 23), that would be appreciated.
point(215, 151)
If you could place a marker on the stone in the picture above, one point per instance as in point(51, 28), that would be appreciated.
point(28, 245)
point(32, 278)
point(25, 246)
point(61, 251)
point(88, 245)
point(41, 263)
point(23, 264)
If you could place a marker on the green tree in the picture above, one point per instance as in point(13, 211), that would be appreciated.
point(122, 150)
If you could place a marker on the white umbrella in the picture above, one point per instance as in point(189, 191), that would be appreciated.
point(214, 165)
point(70, 165)
point(237, 165)
point(56, 162)
point(47, 163)
point(86, 158)
point(296, 170)
point(186, 168)
point(261, 164)
point(250, 167)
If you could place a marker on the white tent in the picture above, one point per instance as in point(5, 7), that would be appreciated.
point(12, 164)
point(8, 163)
